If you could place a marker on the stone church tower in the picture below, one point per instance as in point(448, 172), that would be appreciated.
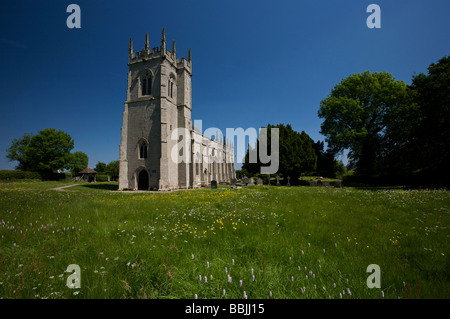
point(159, 101)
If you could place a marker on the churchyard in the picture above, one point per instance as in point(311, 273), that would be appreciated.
point(250, 242)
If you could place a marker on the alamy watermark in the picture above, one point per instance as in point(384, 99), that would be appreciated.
point(374, 279)
point(73, 280)
point(213, 151)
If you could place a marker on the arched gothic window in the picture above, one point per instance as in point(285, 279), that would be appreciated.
point(146, 84)
point(143, 146)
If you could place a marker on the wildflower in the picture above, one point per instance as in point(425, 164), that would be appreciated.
point(226, 270)
point(200, 277)
point(303, 252)
point(206, 279)
point(232, 261)
point(340, 295)
point(349, 292)
point(229, 278)
point(253, 277)
point(382, 294)
point(270, 294)
point(192, 256)
point(195, 296)
point(223, 293)
point(240, 283)
point(251, 271)
point(292, 278)
point(207, 264)
point(245, 295)
point(334, 285)
point(323, 251)
point(309, 245)
point(76, 292)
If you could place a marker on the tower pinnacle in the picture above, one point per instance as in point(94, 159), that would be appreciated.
point(163, 41)
point(189, 56)
point(130, 48)
point(147, 44)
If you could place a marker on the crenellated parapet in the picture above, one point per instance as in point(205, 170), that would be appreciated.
point(159, 52)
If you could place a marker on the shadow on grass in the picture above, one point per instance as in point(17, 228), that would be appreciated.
point(102, 186)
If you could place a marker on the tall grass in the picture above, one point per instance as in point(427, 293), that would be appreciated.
point(296, 242)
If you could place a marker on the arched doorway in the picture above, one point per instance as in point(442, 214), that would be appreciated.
point(143, 180)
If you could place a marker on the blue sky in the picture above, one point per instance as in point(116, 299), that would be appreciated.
point(254, 62)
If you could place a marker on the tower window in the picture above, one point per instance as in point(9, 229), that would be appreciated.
point(143, 150)
point(170, 82)
point(146, 82)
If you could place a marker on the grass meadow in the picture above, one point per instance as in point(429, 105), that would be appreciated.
point(258, 241)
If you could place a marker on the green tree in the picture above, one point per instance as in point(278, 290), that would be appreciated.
point(77, 162)
point(296, 153)
point(17, 152)
point(45, 152)
point(432, 136)
point(359, 116)
point(327, 165)
point(100, 168)
point(112, 169)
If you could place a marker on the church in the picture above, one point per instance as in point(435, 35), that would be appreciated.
point(159, 101)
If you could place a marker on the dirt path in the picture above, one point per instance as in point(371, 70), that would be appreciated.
point(62, 187)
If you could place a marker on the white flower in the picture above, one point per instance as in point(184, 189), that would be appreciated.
point(76, 292)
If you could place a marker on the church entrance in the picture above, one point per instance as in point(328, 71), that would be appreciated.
point(143, 180)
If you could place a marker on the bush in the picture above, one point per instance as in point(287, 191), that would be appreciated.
point(15, 174)
point(102, 178)
point(68, 175)
point(54, 176)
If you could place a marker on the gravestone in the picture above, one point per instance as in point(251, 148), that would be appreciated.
point(326, 184)
point(245, 180)
point(288, 184)
point(233, 182)
point(251, 181)
point(312, 183)
point(278, 180)
point(259, 181)
point(213, 184)
point(338, 183)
